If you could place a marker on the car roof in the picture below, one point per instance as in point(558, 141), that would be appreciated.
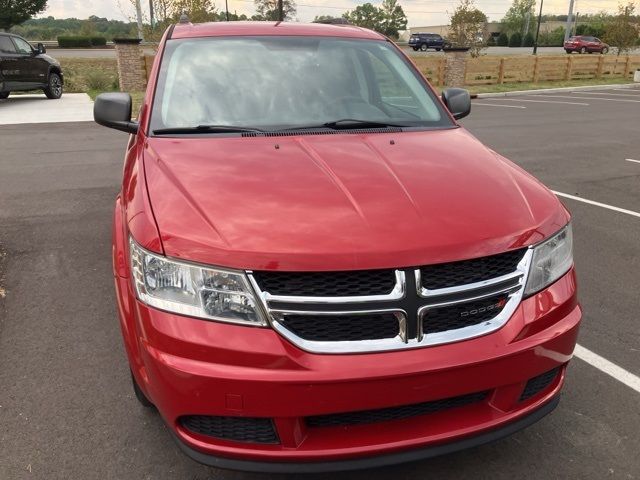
point(222, 29)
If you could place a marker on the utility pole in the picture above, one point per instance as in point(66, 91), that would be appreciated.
point(280, 11)
point(139, 17)
point(575, 24)
point(535, 44)
point(152, 15)
point(568, 28)
point(226, 8)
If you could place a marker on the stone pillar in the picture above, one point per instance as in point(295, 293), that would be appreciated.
point(455, 65)
point(131, 67)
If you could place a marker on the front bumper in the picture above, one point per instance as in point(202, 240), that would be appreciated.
point(194, 367)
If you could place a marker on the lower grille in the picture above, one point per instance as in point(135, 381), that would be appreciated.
point(537, 384)
point(341, 328)
point(452, 317)
point(394, 413)
point(238, 429)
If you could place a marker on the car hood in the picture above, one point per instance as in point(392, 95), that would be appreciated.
point(342, 201)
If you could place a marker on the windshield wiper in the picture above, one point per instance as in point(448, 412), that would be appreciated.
point(205, 129)
point(346, 124)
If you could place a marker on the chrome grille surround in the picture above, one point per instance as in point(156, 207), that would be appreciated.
point(409, 302)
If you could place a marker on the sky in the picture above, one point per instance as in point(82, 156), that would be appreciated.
point(419, 12)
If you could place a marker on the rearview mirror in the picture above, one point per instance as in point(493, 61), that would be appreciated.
point(113, 110)
point(458, 101)
point(41, 49)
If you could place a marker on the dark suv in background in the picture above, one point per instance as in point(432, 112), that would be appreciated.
point(423, 41)
point(23, 67)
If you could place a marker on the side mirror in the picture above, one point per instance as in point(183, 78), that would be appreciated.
point(113, 110)
point(41, 49)
point(458, 101)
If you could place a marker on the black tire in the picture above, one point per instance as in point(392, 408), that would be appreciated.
point(415, 49)
point(438, 49)
point(54, 89)
point(423, 47)
point(142, 398)
point(4, 95)
point(604, 51)
point(569, 51)
point(583, 50)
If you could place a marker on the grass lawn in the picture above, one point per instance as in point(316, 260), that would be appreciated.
point(512, 87)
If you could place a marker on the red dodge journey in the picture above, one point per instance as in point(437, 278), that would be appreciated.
point(317, 268)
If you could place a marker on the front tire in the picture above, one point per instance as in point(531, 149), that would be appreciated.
point(583, 50)
point(415, 49)
point(54, 88)
point(4, 95)
point(423, 48)
point(438, 49)
point(604, 51)
point(569, 51)
point(142, 398)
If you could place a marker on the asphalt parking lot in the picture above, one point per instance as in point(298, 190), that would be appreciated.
point(67, 410)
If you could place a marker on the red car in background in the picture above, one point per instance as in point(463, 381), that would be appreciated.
point(585, 44)
point(317, 268)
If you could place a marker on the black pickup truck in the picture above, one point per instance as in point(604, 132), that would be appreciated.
point(23, 68)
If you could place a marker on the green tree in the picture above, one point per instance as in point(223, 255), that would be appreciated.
point(467, 27)
point(503, 40)
point(323, 18)
point(515, 20)
point(515, 40)
point(267, 10)
point(622, 31)
point(15, 12)
point(198, 11)
point(366, 16)
point(394, 18)
point(528, 40)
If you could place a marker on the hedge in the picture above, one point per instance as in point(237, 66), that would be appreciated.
point(81, 42)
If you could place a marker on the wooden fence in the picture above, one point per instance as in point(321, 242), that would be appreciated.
point(489, 70)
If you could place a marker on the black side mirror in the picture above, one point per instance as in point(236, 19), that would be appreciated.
point(458, 101)
point(41, 49)
point(113, 110)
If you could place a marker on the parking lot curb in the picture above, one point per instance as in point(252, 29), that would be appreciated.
point(555, 90)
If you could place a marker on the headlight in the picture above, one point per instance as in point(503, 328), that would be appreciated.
point(193, 290)
point(551, 259)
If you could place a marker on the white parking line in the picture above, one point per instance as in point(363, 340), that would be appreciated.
point(591, 98)
point(598, 204)
point(632, 160)
point(629, 90)
point(611, 369)
point(607, 93)
point(543, 101)
point(498, 105)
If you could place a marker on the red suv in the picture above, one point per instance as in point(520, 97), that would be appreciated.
point(584, 44)
point(317, 268)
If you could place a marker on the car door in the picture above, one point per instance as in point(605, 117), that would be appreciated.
point(8, 63)
point(29, 65)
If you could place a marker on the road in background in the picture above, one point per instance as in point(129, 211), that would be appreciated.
point(66, 405)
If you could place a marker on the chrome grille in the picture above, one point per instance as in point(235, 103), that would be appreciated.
point(409, 313)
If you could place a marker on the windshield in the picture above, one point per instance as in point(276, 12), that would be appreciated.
point(273, 83)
